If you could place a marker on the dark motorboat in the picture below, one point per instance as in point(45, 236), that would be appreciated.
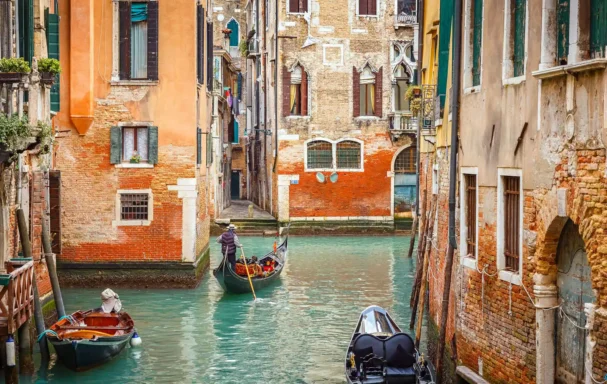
point(380, 353)
point(88, 339)
point(231, 281)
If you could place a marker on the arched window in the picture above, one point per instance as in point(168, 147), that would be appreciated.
point(409, 53)
point(367, 92)
point(405, 161)
point(348, 155)
point(298, 92)
point(399, 89)
point(235, 35)
point(320, 154)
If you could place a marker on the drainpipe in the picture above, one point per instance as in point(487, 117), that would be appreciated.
point(275, 88)
point(457, 38)
point(420, 60)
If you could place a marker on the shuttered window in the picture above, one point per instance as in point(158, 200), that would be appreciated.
point(126, 142)
point(477, 40)
point(470, 210)
point(511, 217)
point(26, 29)
point(562, 31)
point(320, 155)
point(210, 57)
point(298, 6)
point(444, 42)
point(52, 38)
point(138, 40)
point(518, 14)
point(200, 44)
point(348, 155)
point(298, 92)
point(598, 28)
point(209, 145)
point(369, 97)
point(367, 7)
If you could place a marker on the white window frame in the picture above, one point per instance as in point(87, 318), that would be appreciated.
point(298, 13)
point(376, 16)
point(469, 48)
point(467, 261)
point(134, 124)
point(509, 276)
point(334, 155)
point(118, 222)
point(508, 77)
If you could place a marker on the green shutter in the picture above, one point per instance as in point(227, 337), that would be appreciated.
point(477, 42)
point(444, 30)
point(26, 29)
point(153, 145)
point(562, 31)
point(233, 26)
point(115, 145)
point(52, 39)
point(235, 141)
point(198, 146)
point(520, 8)
point(598, 28)
point(209, 149)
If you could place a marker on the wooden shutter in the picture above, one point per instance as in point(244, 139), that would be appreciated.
point(153, 145)
point(198, 146)
point(153, 40)
point(519, 37)
point(598, 28)
point(303, 6)
point(477, 37)
point(562, 31)
point(444, 43)
point(199, 44)
point(239, 83)
point(55, 209)
point(210, 56)
point(124, 11)
point(286, 92)
point(372, 7)
point(363, 8)
point(115, 145)
point(356, 92)
point(52, 38)
point(512, 201)
point(26, 29)
point(379, 93)
point(294, 6)
point(304, 92)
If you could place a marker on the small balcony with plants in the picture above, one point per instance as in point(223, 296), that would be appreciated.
point(406, 107)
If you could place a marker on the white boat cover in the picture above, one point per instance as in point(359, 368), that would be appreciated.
point(110, 301)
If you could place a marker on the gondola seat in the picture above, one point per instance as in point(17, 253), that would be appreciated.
point(367, 344)
point(398, 352)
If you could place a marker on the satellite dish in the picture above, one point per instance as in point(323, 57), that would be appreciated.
point(333, 177)
point(220, 17)
point(320, 177)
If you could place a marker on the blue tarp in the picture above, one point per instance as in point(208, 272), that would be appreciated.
point(139, 12)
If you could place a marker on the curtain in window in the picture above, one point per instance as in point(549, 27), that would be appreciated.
point(293, 94)
point(128, 137)
point(139, 41)
point(371, 88)
point(142, 143)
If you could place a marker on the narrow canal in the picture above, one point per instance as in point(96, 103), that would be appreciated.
point(296, 332)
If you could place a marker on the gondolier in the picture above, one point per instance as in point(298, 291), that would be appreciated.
point(229, 242)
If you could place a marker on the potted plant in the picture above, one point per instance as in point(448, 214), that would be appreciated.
point(13, 69)
point(226, 32)
point(413, 95)
point(244, 48)
point(49, 69)
point(135, 159)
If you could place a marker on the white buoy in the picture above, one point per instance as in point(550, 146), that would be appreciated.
point(135, 340)
point(10, 351)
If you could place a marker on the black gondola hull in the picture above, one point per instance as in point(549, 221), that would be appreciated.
point(82, 355)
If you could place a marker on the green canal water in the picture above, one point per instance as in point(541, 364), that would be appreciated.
point(296, 332)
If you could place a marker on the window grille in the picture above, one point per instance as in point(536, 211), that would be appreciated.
point(320, 155)
point(348, 155)
point(471, 214)
point(405, 161)
point(511, 219)
point(134, 206)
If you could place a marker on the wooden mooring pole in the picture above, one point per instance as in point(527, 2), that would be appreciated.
point(420, 245)
point(52, 268)
point(424, 281)
point(412, 239)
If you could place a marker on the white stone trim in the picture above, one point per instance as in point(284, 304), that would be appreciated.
point(343, 218)
point(467, 261)
point(512, 277)
point(135, 165)
point(435, 176)
point(187, 191)
point(115, 43)
point(334, 155)
point(288, 138)
point(324, 54)
point(120, 223)
point(469, 47)
point(514, 80)
point(548, 42)
point(472, 90)
point(141, 83)
point(508, 46)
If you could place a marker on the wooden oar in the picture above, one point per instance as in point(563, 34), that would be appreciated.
point(248, 275)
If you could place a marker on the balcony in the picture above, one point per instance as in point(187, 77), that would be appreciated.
point(253, 48)
point(217, 88)
point(430, 110)
point(402, 123)
point(406, 15)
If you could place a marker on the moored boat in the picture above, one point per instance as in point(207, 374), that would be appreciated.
point(379, 353)
point(87, 339)
point(233, 282)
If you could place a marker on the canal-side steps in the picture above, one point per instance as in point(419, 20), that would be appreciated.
point(341, 227)
point(248, 227)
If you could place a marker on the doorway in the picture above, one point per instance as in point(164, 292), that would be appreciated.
point(405, 183)
point(235, 185)
point(574, 290)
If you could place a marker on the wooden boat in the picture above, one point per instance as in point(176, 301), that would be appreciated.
point(230, 281)
point(88, 339)
point(380, 353)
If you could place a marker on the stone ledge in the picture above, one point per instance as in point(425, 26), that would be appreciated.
point(469, 376)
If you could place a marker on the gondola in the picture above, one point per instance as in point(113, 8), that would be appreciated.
point(380, 353)
point(230, 281)
point(87, 339)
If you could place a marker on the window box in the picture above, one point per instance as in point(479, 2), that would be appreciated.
point(47, 78)
point(12, 77)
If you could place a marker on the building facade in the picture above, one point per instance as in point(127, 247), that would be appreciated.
point(135, 112)
point(527, 302)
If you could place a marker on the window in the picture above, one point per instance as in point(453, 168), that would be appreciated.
point(209, 57)
point(402, 81)
point(468, 216)
point(515, 33)
point(200, 44)
point(598, 28)
point(348, 155)
point(134, 207)
point(367, 92)
point(295, 87)
point(405, 161)
point(406, 12)
point(128, 141)
point(473, 41)
point(320, 155)
point(234, 37)
point(138, 40)
point(510, 224)
point(405, 181)
point(367, 7)
point(562, 31)
point(470, 212)
point(135, 143)
point(298, 6)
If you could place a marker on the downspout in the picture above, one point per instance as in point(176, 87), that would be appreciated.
point(420, 62)
point(275, 88)
point(456, 73)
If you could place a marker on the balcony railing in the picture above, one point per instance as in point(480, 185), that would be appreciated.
point(253, 47)
point(402, 122)
point(431, 107)
point(407, 13)
point(217, 87)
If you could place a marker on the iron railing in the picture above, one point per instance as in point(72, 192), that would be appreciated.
point(407, 13)
point(430, 108)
